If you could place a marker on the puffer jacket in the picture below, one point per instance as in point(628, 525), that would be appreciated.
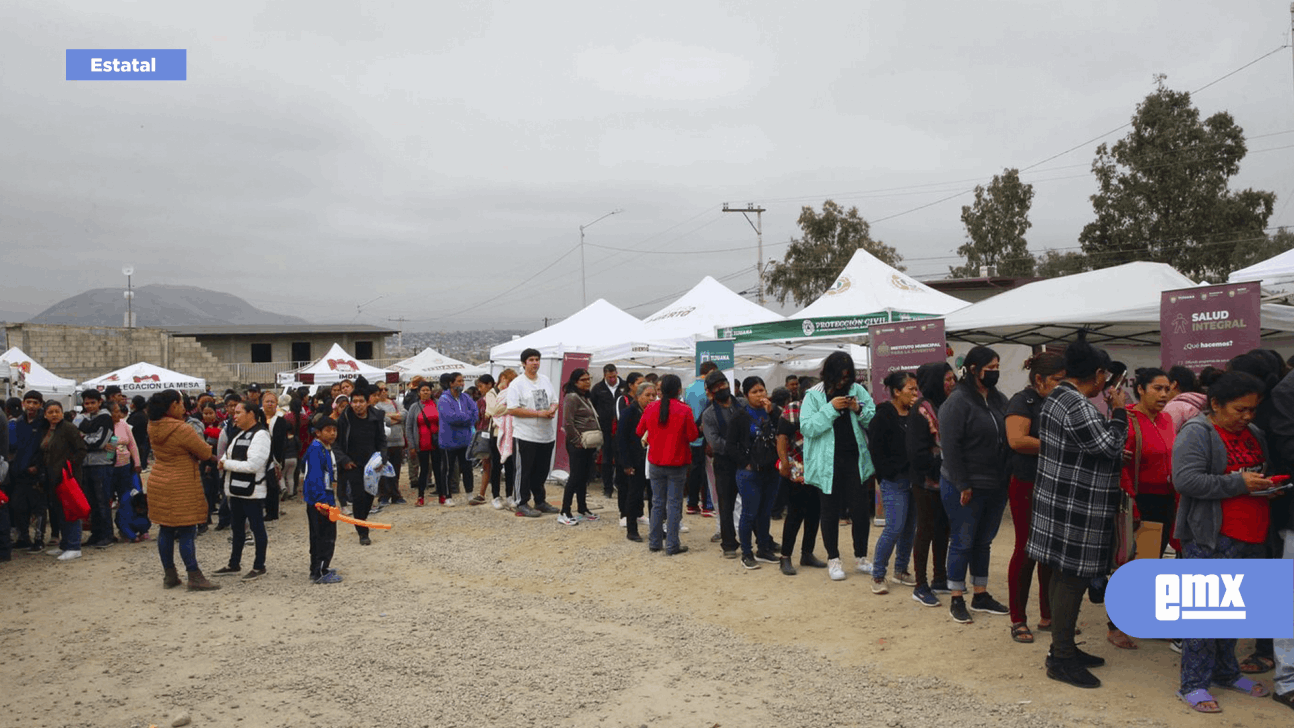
point(175, 496)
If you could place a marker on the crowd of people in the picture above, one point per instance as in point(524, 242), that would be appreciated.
point(946, 452)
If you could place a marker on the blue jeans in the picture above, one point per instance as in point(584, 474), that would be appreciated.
point(758, 490)
point(96, 483)
point(166, 538)
point(972, 530)
point(667, 484)
point(1284, 681)
point(900, 527)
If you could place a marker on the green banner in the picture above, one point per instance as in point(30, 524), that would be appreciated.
point(812, 328)
point(720, 352)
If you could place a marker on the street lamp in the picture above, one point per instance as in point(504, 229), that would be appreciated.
point(128, 271)
point(584, 284)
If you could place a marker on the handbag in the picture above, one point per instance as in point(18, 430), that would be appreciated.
point(1125, 536)
point(75, 506)
point(591, 440)
point(479, 449)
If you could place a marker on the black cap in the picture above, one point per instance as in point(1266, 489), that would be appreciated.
point(714, 379)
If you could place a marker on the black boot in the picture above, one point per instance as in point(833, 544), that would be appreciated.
point(786, 566)
point(1071, 670)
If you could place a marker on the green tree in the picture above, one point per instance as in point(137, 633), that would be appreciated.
point(1255, 250)
point(1054, 264)
point(1163, 192)
point(814, 260)
point(995, 227)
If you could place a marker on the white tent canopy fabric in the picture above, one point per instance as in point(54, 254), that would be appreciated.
point(599, 329)
point(35, 376)
point(867, 291)
point(432, 363)
point(333, 367)
point(1276, 275)
point(707, 307)
point(145, 378)
point(1118, 305)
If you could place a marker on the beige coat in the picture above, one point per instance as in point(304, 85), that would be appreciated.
point(175, 496)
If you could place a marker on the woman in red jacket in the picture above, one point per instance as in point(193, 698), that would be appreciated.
point(1148, 466)
point(670, 430)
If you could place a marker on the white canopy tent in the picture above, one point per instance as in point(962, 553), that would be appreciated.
point(145, 378)
point(866, 292)
point(601, 330)
point(1118, 306)
point(27, 374)
point(333, 367)
point(1276, 275)
point(430, 363)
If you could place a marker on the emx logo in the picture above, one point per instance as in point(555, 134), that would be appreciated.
point(1198, 596)
point(1203, 598)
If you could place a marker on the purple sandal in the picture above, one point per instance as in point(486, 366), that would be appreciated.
point(1196, 697)
point(1247, 687)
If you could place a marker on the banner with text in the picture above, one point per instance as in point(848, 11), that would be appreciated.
point(821, 327)
point(1208, 325)
point(722, 353)
point(904, 346)
point(570, 362)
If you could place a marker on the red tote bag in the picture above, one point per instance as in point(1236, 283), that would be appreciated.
point(75, 506)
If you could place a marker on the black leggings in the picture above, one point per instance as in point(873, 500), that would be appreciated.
point(1160, 509)
point(802, 506)
point(454, 460)
point(846, 490)
point(497, 468)
point(577, 483)
point(428, 468)
point(931, 535)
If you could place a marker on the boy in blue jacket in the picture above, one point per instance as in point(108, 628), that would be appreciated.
point(320, 483)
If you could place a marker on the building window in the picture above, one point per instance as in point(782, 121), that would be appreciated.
point(301, 351)
point(262, 353)
point(363, 350)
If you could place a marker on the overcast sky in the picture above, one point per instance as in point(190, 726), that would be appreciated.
point(323, 154)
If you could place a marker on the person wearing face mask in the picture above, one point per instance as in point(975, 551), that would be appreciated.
point(836, 459)
point(458, 414)
point(973, 479)
point(360, 434)
point(714, 423)
point(1046, 370)
point(1075, 498)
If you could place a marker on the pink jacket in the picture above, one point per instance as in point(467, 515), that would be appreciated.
point(1183, 407)
point(127, 451)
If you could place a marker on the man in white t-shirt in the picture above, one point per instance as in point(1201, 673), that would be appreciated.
point(532, 402)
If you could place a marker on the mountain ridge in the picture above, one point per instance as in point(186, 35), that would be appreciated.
point(158, 306)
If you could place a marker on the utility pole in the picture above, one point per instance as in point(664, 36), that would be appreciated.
point(129, 271)
point(584, 284)
point(758, 225)
point(399, 337)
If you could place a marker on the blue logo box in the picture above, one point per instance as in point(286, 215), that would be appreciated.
point(163, 64)
point(1203, 598)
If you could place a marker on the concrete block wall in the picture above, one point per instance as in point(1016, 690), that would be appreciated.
point(85, 352)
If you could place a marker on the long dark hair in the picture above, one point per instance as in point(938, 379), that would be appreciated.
point(160, 402)
point(573, 383)
point(976, 359)
point(930, 380)
point(670, 387)
point(836, 365)
point(1233, 385)
point(1044, 364)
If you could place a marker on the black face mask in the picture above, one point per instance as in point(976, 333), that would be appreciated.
point(990, 378)
point(723, 395)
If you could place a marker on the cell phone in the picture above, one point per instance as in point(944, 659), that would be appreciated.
point(1278, 479)
point(1274, 489)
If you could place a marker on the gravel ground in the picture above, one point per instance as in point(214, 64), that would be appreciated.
point(470, 616)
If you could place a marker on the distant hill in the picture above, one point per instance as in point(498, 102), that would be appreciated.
point(158, 306)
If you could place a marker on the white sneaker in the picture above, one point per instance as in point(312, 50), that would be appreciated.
point(55, 551)
point(836, 570)
point(69, 555)
point(347, 511)
point(682, 528)
point(644, 521)
point(864, 565)
point(497, 503)
point(510, 503)
point(566, 520)
point(449, 503)
point(624, 522)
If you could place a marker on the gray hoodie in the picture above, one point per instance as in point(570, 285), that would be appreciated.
point(1200, 476)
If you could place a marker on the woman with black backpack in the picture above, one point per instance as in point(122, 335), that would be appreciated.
point(752, 445)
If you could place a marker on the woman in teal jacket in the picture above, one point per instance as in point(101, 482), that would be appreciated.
point(833, 420)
